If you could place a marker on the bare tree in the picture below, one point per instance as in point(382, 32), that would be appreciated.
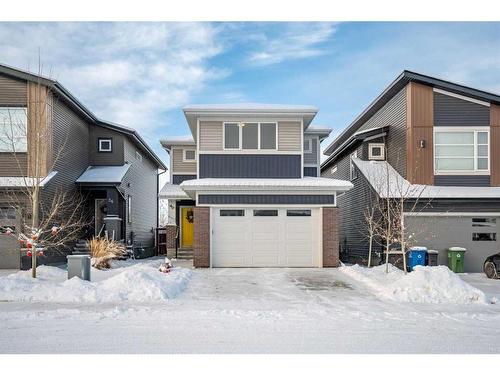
point(53, 219)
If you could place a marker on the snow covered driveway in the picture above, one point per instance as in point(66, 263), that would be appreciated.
point(256, 311)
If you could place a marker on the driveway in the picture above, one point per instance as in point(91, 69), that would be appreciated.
point(254, 311)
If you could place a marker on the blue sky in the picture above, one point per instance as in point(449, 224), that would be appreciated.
point(141, 74)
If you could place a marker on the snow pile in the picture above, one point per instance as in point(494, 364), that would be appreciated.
point(134, 282)
point(423, 285)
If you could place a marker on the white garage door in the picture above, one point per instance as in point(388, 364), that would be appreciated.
point(266, 237)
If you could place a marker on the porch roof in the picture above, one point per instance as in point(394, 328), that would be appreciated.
point(103, 174)
point(24, 182)
point(171, 191)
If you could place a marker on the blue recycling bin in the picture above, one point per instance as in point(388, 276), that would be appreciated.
point(416, 256)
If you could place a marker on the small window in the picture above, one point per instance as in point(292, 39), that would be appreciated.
point(298, 212)
point(484, 222)
point(189, 156)
point(250, 136)
point(231, 135)
point(484, 236)
point(129, 208)
point(232, 212)
point(333, 170)
point(7, 213)
point(308, 146)
point(138, 156)
point(268, 136)
point(376, 151)
point(105, 145)
point(353, 172)
point(265, 212)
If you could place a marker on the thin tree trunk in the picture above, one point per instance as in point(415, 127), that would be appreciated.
point(370, 251)
point(388, 239)
point(403, 247)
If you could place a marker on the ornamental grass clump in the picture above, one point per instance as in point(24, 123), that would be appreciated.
point(103, 250)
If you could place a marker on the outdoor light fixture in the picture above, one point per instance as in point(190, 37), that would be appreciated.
point(422, 143)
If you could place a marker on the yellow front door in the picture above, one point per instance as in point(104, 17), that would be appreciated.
point(187, 227)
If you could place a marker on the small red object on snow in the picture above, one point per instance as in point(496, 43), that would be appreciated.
point(29, 245)
point(28, 253)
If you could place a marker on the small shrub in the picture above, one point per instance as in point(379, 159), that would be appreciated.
point(103, 251)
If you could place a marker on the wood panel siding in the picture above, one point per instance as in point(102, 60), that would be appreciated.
point(13, 92)
point(419, 127)
point(290, 136)
point(178, 165)
point(211, 136)
point(39, 130)
point(495, 144)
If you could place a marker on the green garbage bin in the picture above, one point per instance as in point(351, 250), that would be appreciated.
point(456, 259)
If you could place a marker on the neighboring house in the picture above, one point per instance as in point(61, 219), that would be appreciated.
point(112, 165)
point(240, 194)
point(430, 136)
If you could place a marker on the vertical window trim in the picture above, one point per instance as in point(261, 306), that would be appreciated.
point(240, 136)
point(105, 139)
point(464, 129)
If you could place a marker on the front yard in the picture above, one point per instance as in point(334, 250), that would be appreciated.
point(249, 311)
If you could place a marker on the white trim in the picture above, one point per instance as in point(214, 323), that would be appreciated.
point(184, 159)
point(240, 148)
point(334, 169)
point(375, 136)
point(309, 148)
point(183, 174)
point(452, 214)
point(233, 151)
point(458, 96)
point(475, 157)
point(302, 148)
point(320, 239)
point(198, 145)
point(371, 146)
point(107, 140)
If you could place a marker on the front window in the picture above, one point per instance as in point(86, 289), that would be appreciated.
point(13, 129)
point(353, 174)
point(250, 136)
point(189, 155)
point(461, 151)
point(105, 145)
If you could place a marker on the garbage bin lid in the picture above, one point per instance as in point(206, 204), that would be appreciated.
point(432, 252)
point(422, 248)
point(456, 248)
point(78, 256)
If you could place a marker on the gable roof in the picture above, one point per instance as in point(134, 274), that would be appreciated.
point(77, 106)
point(401, 81)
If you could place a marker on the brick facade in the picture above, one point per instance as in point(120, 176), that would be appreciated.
point(201, 243)
point(171, 234)
point(330, 237)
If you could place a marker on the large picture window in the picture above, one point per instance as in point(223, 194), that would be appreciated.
point(461, 151)
point(250, 136)
point(13, 129)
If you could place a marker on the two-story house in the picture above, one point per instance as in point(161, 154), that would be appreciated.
point(245, 190)
point(434, 143)
point(111, 165)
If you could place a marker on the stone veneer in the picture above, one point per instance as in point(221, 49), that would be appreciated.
point(201, 243)
point(330, 237)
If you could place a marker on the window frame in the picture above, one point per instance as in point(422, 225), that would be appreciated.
point(371, 146)
point(184, 159)
point(334, 169)
point(309, 149)
point(307, 212)
point(24, 148)
point(475, 157)
point(240, 136)
point(104, 139)
point(353, 173)
point(227, 210)
point(129, 209)
point(267, 211)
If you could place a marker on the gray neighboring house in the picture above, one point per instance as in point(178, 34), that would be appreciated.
point(245, 189)
point(430, 134)
point(111, 164)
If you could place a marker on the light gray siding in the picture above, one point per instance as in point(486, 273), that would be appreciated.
point(178, 165)
point(451, 111)
point(210, 136)
point(312, 157)
point(249, 166)
point(265, 199)
point(289, 136)
point(140, 183)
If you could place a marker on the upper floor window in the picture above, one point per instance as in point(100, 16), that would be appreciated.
point(105, 144)
point(459, 150)
point(376, 151)
point(308, 146)
point(189, 156)
point(353, 173)
point(13, 129)
point(250, 136)
point(333, 170)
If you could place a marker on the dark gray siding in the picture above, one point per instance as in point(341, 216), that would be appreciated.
point(458, 205)
point(13, 164)
point(178, 179)
point(140, 182)
point(450, 111)
point(249, 166)
point(310, 172)
point(116, 157)
point(265, 199)
point(440, 180)
point(70, 139)
point(13, 92)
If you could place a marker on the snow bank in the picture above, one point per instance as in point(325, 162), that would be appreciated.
point(133, 282)
point(423, 285)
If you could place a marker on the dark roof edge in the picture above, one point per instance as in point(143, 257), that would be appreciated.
point(405, 77)
point(76, 104)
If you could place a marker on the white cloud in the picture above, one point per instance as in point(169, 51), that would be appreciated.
point(296, 41)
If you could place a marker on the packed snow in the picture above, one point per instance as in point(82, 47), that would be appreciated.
point(140, 282)
point(422, 285)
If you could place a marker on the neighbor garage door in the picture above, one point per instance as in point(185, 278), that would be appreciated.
point(478, 234)
point(266, 237)
point(9, 246)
